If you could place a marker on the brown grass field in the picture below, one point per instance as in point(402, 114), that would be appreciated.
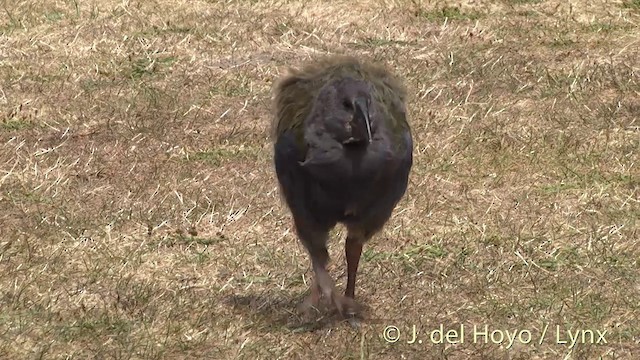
point(140, 216)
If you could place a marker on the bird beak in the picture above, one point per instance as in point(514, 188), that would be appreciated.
point(362, 114)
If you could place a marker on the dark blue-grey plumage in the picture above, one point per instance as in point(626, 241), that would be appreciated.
point(342, 153)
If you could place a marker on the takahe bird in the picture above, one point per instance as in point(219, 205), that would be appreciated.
point(343, 152)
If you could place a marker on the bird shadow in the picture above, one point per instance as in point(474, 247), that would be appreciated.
point(275, 310)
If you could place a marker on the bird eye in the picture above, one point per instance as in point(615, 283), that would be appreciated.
point(347, 105)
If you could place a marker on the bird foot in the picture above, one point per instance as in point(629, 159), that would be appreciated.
point(345, 306)
point(311, 304)
point(354, 322)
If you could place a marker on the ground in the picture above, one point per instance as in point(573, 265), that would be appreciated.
point(140, 217)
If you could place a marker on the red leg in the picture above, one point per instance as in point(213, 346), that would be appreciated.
point(353, 251)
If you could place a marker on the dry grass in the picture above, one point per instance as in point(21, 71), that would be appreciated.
point(141, 219)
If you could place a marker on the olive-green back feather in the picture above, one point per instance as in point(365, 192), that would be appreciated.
point(294, 94)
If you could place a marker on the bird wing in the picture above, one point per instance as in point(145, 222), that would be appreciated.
point(293, 100)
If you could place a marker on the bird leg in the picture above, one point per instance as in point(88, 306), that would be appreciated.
point(313, 300)
point(353, 251)
point(345, 305)
point(323, 286)
point(356, 237)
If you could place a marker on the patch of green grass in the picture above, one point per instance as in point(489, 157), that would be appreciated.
point(180, 239)
point(54, 16)
point(417, 252)
point(558, 187)
point(202, 257)
point(527, 13)
point(15, 124)
point(222, 154)
point(520, 2)
point(631, 4)
point(494, 239)
point(549, 264)
point(599, 27)
point(89, 327)
point(9, 26)
point(155, 30)
point(146, 66)
point(255, 279)
point(370, 254)
point(376, 42)
point(426, 250)
point(231, 86)
point(562, 40)
point(93, 85)
point(281, 28)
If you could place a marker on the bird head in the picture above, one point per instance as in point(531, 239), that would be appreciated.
point(348, 110)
